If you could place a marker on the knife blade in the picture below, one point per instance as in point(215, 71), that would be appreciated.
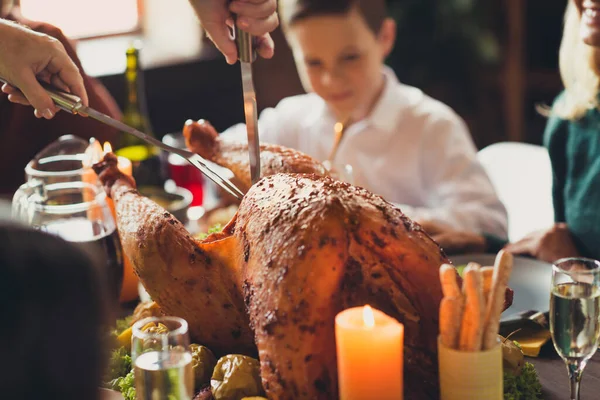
point(72, 104)
point(247, 55)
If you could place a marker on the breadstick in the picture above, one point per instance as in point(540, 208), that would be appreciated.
point(473, 264)
point(451, 309)
point(502, 270)
point(471, 331)
point(448, 277)
point(486, 275)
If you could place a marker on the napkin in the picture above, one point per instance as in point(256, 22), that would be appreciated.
point(529, 329)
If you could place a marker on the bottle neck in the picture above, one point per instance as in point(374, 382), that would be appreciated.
point(135, 112)
point(133, 77)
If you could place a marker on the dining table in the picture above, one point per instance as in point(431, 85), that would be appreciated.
point(552, 372)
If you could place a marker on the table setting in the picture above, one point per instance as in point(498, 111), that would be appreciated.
point(365, 337)
point(244, 314)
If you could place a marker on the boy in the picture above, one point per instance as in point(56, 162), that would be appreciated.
point(403, 145)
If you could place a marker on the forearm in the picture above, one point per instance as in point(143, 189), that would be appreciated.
point(472, 218)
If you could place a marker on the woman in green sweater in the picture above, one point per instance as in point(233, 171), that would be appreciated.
point(572, 138)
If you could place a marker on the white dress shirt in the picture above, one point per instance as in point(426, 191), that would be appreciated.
point(414, 151)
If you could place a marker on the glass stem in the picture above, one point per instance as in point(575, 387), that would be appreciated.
point(575, 368)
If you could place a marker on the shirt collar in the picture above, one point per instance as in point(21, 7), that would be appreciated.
point(385, 113)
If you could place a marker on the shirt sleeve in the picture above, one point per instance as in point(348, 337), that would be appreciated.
point(458, 191)
point(555, 140)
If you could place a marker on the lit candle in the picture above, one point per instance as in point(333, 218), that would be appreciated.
point(369, 355)
point(129, 289)
point(123, 163)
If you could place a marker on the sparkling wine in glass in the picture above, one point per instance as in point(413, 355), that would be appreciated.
point(162, 360)
point(575, 314)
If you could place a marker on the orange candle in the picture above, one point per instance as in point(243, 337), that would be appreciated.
point(369, 355)
point(129, 290)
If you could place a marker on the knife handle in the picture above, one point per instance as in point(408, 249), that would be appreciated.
point(64, 101)
point(244, 42)
point(245, 45)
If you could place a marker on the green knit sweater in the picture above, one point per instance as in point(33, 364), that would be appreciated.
point(574, 149)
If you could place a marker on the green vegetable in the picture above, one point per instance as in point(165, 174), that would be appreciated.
point(119, 364)
point(235, 377)
point(114, 332)
point(460, 269)
point(203, 363)
point(526, 386)
point(125, 385)
point(123, 324)
point(214, 229)
point(517, 344)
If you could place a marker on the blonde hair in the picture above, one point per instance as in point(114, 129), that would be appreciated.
point(578, 70)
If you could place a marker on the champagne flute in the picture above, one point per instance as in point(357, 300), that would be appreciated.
point(161, 359)
point(575, 314)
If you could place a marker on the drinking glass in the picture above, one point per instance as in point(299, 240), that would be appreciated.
point(183, 173)
point(68, 159)
point(161, 359)
point(77, 212)
point(575, 314)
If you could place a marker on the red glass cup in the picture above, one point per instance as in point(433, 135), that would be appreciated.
point(183, 173)
point(187, 176)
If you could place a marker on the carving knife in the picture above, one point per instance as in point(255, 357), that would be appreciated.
point(73, 105)
point(247, 55)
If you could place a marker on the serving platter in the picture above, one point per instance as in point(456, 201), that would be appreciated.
point(530, 280)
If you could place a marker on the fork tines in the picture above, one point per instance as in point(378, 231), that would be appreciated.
point(216, 178)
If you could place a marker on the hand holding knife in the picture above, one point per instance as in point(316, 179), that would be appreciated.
point(73, 104)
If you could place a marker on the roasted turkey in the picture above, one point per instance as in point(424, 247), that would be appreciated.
point(301, 248)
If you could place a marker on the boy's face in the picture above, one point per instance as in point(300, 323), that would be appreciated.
point(339, 58)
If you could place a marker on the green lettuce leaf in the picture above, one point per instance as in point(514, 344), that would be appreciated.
point(523, 387)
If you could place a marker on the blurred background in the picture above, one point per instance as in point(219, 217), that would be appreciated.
point(493, 61)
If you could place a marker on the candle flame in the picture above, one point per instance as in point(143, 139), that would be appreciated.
point(368, 317)
point(107, 148)
point(338, 127)
point(93, 153)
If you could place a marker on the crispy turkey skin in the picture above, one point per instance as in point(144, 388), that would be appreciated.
point(312, 247)
point(203, 139)
point(301, 248)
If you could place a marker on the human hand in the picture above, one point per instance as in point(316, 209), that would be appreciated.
point(258, 17)
point(25, 57)
point(454, 241)
point(547, 245)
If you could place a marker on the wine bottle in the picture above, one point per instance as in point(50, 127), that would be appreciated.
point(147, 169)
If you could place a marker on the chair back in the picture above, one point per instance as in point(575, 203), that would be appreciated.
point(522, 176)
